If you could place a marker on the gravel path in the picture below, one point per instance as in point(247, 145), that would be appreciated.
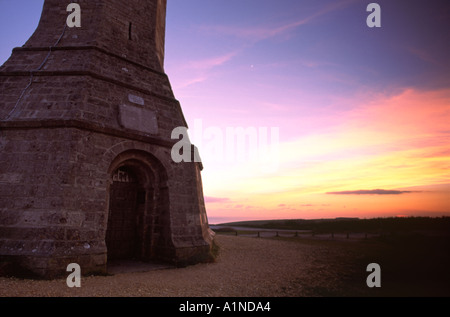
point(245, 267)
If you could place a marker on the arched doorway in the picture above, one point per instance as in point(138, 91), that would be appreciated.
point(137, 209)
point(126, 207)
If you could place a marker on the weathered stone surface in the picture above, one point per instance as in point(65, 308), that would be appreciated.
point(94, 126)
point(138, 119)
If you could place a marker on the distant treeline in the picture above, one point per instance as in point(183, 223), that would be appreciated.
point(393, 224)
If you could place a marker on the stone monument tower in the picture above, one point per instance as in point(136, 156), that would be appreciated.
point(86, 174)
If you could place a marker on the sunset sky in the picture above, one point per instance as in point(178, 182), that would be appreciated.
point(356, 119)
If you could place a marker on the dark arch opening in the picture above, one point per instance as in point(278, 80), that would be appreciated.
point(126, 206)
point(138, 204)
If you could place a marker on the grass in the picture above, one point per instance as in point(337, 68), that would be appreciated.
point(341, 225)
point(413, 253)
point(411, 265)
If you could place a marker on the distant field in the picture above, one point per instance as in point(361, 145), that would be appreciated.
point(411, 265)
point(342, 225)
point(414, 254)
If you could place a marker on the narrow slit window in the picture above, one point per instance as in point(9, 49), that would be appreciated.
point(129, 30)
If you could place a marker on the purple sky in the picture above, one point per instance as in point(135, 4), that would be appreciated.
point(357, 108)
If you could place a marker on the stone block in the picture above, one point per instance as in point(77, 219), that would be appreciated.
point(139, 119)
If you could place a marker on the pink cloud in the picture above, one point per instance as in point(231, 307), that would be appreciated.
point(424, 55)
point(192, 81)
point(411, 113)
point(212, 62)
point(259, 33)
point(216, 200)
point(198, 71)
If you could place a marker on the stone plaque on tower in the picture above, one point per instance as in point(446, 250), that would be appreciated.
point(86, 175)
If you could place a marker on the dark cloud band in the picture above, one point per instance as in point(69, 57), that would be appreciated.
point(372, 192)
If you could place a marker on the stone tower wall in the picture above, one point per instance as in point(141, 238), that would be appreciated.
point(69, 116)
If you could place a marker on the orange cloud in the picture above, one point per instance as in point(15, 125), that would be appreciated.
point(390, 142)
